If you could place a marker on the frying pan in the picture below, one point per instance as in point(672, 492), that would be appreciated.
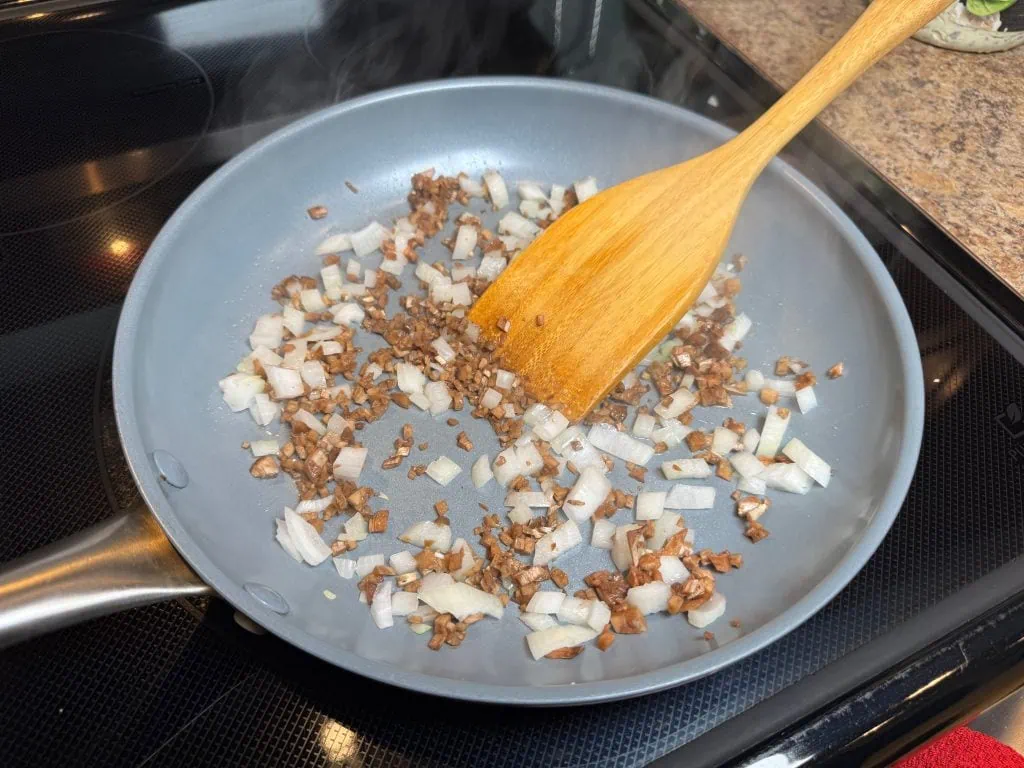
point(814, 287)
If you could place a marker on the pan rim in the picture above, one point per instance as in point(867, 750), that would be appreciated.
point(842, 573)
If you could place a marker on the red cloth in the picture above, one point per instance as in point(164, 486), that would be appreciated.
point(963, 748)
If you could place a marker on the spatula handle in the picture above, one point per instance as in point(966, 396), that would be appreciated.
point(884, 25)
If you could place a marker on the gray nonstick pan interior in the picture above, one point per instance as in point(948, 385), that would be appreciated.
point(814, 287)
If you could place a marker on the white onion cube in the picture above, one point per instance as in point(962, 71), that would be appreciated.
point(650, 505)
point(690, 497)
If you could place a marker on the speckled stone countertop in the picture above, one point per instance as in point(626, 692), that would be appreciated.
point(945, 128)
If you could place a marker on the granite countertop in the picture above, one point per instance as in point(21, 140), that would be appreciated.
point(945, 128)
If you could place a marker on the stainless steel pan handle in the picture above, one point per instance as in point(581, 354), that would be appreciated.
point(121, 563)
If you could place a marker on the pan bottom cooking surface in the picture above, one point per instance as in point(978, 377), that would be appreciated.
point(184, 683)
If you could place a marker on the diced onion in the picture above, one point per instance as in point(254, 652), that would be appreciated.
point(619, 444)
point(650, 598)
point(368, 239)
point(418, 534)
point(443, 470)
point(809, 461)
point(240, 388)
point(643, 426)
point(285, 540)
point(348, 314)
point(435, 579)
point(573, 610)
point(305, 538)
point(504, 379)
point(517, 225)
point(724, 441)
point(349, 290)
point(410, 378)
point(544, 641)
point(295, 356)
point(506, 467)
point(491, 265)
point(600, 615)
point(462, 600)
point(602, 533)
point(665, 526)
point(355, 529)
point(787, 477)
point(420, 400)
point(437, 394)
point(321, 333)
point(750, 440)
point(671, 433)
point(458, 294)
point(470, 187)
point(520, 514)
point(747, 464)
point(735, 331)
point(557, 199)
point(784, 387)
point(402, 562)
point(268, 332)
point(444, 350)
point(266, 356)
point(352, 270)
point(312, 372)
point(496, 189)
point(587, 494)
point(263, 409)
point(551, 545)
point(707, 613)
point(465, 243)
point(806, 399)
point(680, 400)
point(686, 469)
point(481, 473)
point(690, 497)
point(754, 485)
point(529, 458)
point(284, 382)
point(772, 433)
point(294, 320)
point(534, 209)
point(403, 603)
point(467, 562)
point(393, 266)
point(338, 243)
point(550, 424)
point(267, 448)
point(754, 380)
point(338, 424)
point(620, 546)
point(585, 188)
point(650, 505)
point(462, 272)
point(345, 566)
point(545, 601)
point(366, 564)
point(530, 190)
point(349, 463)
point(312, 301)
point(380, 606)
point(672, 570)
point(537, 621)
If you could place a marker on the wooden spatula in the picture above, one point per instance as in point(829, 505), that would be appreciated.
point(610, 278)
